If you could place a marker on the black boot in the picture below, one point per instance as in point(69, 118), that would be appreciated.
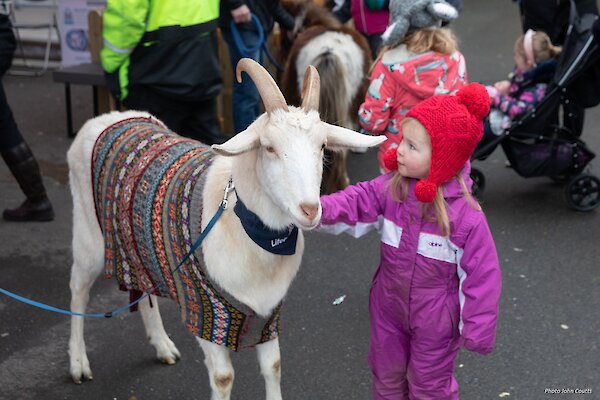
point(25, 169)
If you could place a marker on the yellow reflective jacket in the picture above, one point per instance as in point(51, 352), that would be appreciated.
point(168, 45)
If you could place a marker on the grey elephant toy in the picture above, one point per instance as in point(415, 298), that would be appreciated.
point(407, 15)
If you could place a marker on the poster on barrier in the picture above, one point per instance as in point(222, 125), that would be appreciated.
point(72, 21)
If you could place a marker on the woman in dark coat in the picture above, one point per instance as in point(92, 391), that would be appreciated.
point(552, 17)
point(14, 150)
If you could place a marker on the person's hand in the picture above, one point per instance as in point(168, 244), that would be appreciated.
point(503, 87)
point(241, 15)
point(491, 91)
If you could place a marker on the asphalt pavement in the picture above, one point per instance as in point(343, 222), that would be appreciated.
point(549, 326)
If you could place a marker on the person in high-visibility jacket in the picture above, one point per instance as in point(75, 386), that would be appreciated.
point(161, 56)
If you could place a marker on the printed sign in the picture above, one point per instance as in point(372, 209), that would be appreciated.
point(72, 19)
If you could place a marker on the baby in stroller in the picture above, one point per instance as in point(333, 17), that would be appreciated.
point(535, 64)
point(539, 114)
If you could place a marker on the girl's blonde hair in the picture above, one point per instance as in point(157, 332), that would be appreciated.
point(439, 40)
point(542, 47)
point(399, 190)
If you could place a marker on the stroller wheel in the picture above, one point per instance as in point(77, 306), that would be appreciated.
point(582, 192)
point(478, 182)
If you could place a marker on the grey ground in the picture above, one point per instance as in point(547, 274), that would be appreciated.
point(549, 325)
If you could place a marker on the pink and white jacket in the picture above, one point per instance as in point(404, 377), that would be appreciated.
point(420, 269)
point(399, 81)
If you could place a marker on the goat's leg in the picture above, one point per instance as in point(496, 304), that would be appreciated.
point(220, 370)
point(269, 359)
point(165, 348)
point(81, 282)
point(88, 257)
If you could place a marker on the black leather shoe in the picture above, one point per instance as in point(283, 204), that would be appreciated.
point(25, 169)
point(40, 211)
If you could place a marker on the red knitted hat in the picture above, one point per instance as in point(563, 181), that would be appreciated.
point(455, 126)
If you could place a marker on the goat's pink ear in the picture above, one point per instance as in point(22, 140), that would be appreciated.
point(240, 143)
point(339, 138)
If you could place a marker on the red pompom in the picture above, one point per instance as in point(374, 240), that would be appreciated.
point(475, 97)
point(425, 191)
point(390, 159)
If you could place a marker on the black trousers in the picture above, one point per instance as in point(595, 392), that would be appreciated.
point(9, 133)
point(194, 119)
point(10, 136)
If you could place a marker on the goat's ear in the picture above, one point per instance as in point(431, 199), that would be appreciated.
point(339, 138)
point(240, 143)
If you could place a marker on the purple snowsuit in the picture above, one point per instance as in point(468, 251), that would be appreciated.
point(430, 293)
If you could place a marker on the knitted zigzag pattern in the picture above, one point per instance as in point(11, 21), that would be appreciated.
point(148, 195)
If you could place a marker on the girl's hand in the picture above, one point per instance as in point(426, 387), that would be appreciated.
point(503, 87)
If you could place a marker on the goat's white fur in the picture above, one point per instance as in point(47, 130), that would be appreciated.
point(276, 165)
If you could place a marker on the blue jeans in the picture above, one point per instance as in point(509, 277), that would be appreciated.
point(246, 100)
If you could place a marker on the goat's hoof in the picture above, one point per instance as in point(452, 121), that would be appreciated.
point(168, 361)
point(166, 352)
point(78, 378)
point(80, 370)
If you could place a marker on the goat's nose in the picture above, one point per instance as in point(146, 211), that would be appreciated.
point(310, 210)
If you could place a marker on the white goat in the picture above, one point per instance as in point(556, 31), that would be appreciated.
point(276, 166)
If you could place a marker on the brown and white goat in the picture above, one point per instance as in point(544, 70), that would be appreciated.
point(342, 57)
point(276, 166)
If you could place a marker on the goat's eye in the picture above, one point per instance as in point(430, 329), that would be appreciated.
point(270, 149)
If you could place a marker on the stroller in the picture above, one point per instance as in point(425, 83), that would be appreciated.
point(545, 141)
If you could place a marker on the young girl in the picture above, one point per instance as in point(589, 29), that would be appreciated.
point(438, 282)
point(418, 60)
point(535, 63)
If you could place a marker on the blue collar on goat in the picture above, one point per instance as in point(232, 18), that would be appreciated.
point(282, 242)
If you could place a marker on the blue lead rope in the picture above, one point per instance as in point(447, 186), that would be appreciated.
point(262, 42)
point(197, 243)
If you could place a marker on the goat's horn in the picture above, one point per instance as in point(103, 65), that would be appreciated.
point(269, 91)
point(310, 89)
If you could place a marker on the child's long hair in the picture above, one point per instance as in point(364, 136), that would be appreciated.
point(439, 40)
point(543, 49)
point(399, 186)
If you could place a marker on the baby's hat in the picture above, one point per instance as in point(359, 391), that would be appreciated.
point(455, 126)
point(408, 15)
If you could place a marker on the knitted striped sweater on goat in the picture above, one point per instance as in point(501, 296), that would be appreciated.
point(148, 185)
